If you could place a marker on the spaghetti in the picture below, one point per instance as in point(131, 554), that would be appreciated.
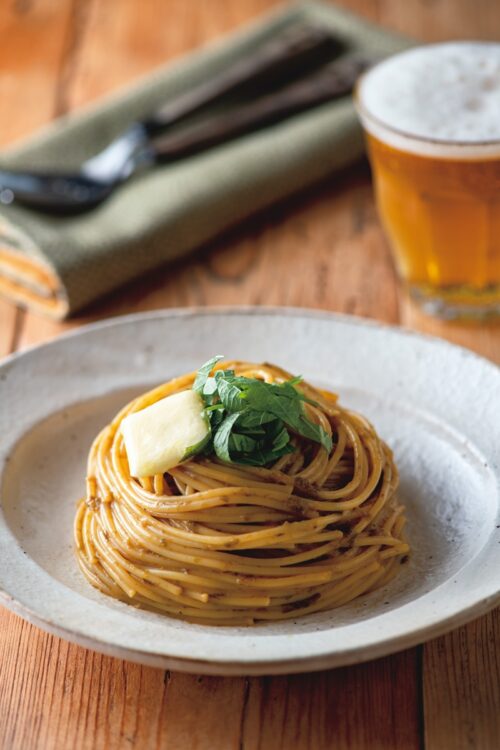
point(231, 544)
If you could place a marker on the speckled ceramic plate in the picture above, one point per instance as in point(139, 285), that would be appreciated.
point(437, 405)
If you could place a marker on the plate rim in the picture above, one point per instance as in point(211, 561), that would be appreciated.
point(350, 655)
point(272, 310)
point(256, 668)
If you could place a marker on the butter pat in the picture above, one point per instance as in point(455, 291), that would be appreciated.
point(164, 434)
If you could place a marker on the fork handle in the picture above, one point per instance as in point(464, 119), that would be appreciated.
point(336, 79)
point(288, 55)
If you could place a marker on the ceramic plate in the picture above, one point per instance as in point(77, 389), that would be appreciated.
point(437, 405)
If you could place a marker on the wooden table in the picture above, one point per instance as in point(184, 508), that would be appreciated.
point(314, 252)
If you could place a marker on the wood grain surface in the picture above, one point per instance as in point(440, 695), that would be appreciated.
point(323, 249)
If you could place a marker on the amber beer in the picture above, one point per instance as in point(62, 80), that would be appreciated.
point(432, 120)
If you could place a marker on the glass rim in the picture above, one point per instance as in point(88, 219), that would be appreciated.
point(368, 118)
point(367, 115)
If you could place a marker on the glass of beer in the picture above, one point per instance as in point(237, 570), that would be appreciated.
point(431, 116)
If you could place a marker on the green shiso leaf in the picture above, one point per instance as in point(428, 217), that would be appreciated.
point(204, 372)
point(251, 421)
point(222, 436)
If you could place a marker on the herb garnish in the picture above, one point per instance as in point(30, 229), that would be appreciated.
point(250, 419)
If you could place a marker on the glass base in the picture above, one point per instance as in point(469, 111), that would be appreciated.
point(457, 302)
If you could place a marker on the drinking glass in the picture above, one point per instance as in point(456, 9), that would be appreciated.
point(438, 190)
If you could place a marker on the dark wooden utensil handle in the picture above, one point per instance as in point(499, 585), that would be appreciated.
point(336, 79)
point(279, 60)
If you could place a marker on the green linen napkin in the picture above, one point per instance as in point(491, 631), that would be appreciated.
point(58, 265)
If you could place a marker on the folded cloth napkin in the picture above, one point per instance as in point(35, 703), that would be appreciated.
point(58, 265)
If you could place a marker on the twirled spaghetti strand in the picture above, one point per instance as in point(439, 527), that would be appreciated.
point(228, 544)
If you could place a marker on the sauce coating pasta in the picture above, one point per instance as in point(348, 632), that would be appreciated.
point(231, 544)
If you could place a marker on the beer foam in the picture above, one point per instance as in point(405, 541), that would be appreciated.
point(447, 92)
